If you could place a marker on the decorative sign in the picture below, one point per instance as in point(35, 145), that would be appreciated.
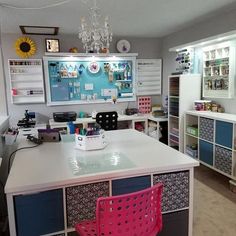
point(25, 47)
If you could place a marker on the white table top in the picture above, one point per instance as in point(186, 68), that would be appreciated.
point(128, 153)
point(214, 115)
point(120, 118)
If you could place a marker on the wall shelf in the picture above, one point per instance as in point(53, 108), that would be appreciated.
point(26, 81)
point(149, 77)
point(219, 70)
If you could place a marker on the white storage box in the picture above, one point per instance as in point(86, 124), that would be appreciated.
point(10, 138)
point(91, 142)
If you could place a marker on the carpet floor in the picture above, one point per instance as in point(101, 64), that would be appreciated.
point(214, 204)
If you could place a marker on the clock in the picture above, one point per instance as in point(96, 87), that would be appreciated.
point(123, 46)
point(93, 67)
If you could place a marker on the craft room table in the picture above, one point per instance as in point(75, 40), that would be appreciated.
point(54, 185)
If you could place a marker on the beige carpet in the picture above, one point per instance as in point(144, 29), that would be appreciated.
point(214, 204)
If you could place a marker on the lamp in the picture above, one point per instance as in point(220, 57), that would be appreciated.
point(96, 36)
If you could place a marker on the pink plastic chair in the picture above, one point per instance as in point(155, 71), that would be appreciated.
point(133, 214)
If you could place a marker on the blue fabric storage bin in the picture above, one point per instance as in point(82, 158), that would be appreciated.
point(39, 213)
point(206, 152)
point(128, 185)
point(224, 133)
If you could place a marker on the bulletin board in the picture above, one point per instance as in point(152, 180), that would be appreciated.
point(81, 80)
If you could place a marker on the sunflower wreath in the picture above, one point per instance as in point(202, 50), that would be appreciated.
point(25, 47)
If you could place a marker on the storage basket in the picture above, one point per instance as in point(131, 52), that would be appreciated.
point(191, 152)
point(192, 130)
point(91, 142)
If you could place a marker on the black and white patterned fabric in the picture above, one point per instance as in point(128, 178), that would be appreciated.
point(223, 159)
point(81, 201)
point(176, 190)
point(206, 131)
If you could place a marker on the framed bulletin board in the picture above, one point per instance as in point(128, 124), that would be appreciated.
point(86, 79)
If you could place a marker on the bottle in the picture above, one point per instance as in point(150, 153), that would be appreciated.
point(71, 127)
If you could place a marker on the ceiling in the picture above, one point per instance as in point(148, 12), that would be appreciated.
point(134, 18)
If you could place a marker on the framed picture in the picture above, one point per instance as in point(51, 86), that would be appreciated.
point(52, 45)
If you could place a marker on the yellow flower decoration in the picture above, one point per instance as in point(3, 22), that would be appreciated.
point(25, 47)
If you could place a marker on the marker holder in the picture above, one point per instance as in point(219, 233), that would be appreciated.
point(90, 142)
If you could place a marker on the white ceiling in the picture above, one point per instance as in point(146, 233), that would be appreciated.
point(136, 18)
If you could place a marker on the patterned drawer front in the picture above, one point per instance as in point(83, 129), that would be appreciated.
point(176, 190)
point(206, 129)
point(81, 201)
point(223, 159)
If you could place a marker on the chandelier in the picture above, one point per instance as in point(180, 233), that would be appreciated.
point(96, 37)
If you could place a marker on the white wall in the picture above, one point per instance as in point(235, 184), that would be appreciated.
point(3, 104)
point(145, 47)
point(222, 23)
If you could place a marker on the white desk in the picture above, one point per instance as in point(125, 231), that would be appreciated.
point(130, 156)
point(133, 119)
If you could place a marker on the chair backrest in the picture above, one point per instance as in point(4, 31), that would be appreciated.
point(133, 214)
point(107, 120)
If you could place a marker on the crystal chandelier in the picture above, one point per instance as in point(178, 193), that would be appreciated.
point(95, 37)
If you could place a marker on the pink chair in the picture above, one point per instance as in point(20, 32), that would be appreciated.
point(133, 214)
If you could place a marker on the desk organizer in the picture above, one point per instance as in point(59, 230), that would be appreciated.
point(91, 142)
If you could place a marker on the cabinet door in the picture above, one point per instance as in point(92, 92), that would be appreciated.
point(224, 133)
point(129, 185)
point(223, 160)
point(206, 130)
point(206, 152)
point(40, 213)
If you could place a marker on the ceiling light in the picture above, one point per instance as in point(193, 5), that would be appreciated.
point(95, 37)
point(39, 30)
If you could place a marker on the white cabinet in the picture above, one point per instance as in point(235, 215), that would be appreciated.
point(183, 90)
point(210, 138)
point(219, 71)
point(149, 73)
point(26, 81)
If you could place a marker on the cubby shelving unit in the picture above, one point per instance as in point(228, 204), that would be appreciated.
point(219, 70)
point(213, 137)
point(180, 99)
point(26, 81)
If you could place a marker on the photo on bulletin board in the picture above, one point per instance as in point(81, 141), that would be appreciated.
point(52, 45)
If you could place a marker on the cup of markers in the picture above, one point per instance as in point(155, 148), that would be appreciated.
point(92, 138)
